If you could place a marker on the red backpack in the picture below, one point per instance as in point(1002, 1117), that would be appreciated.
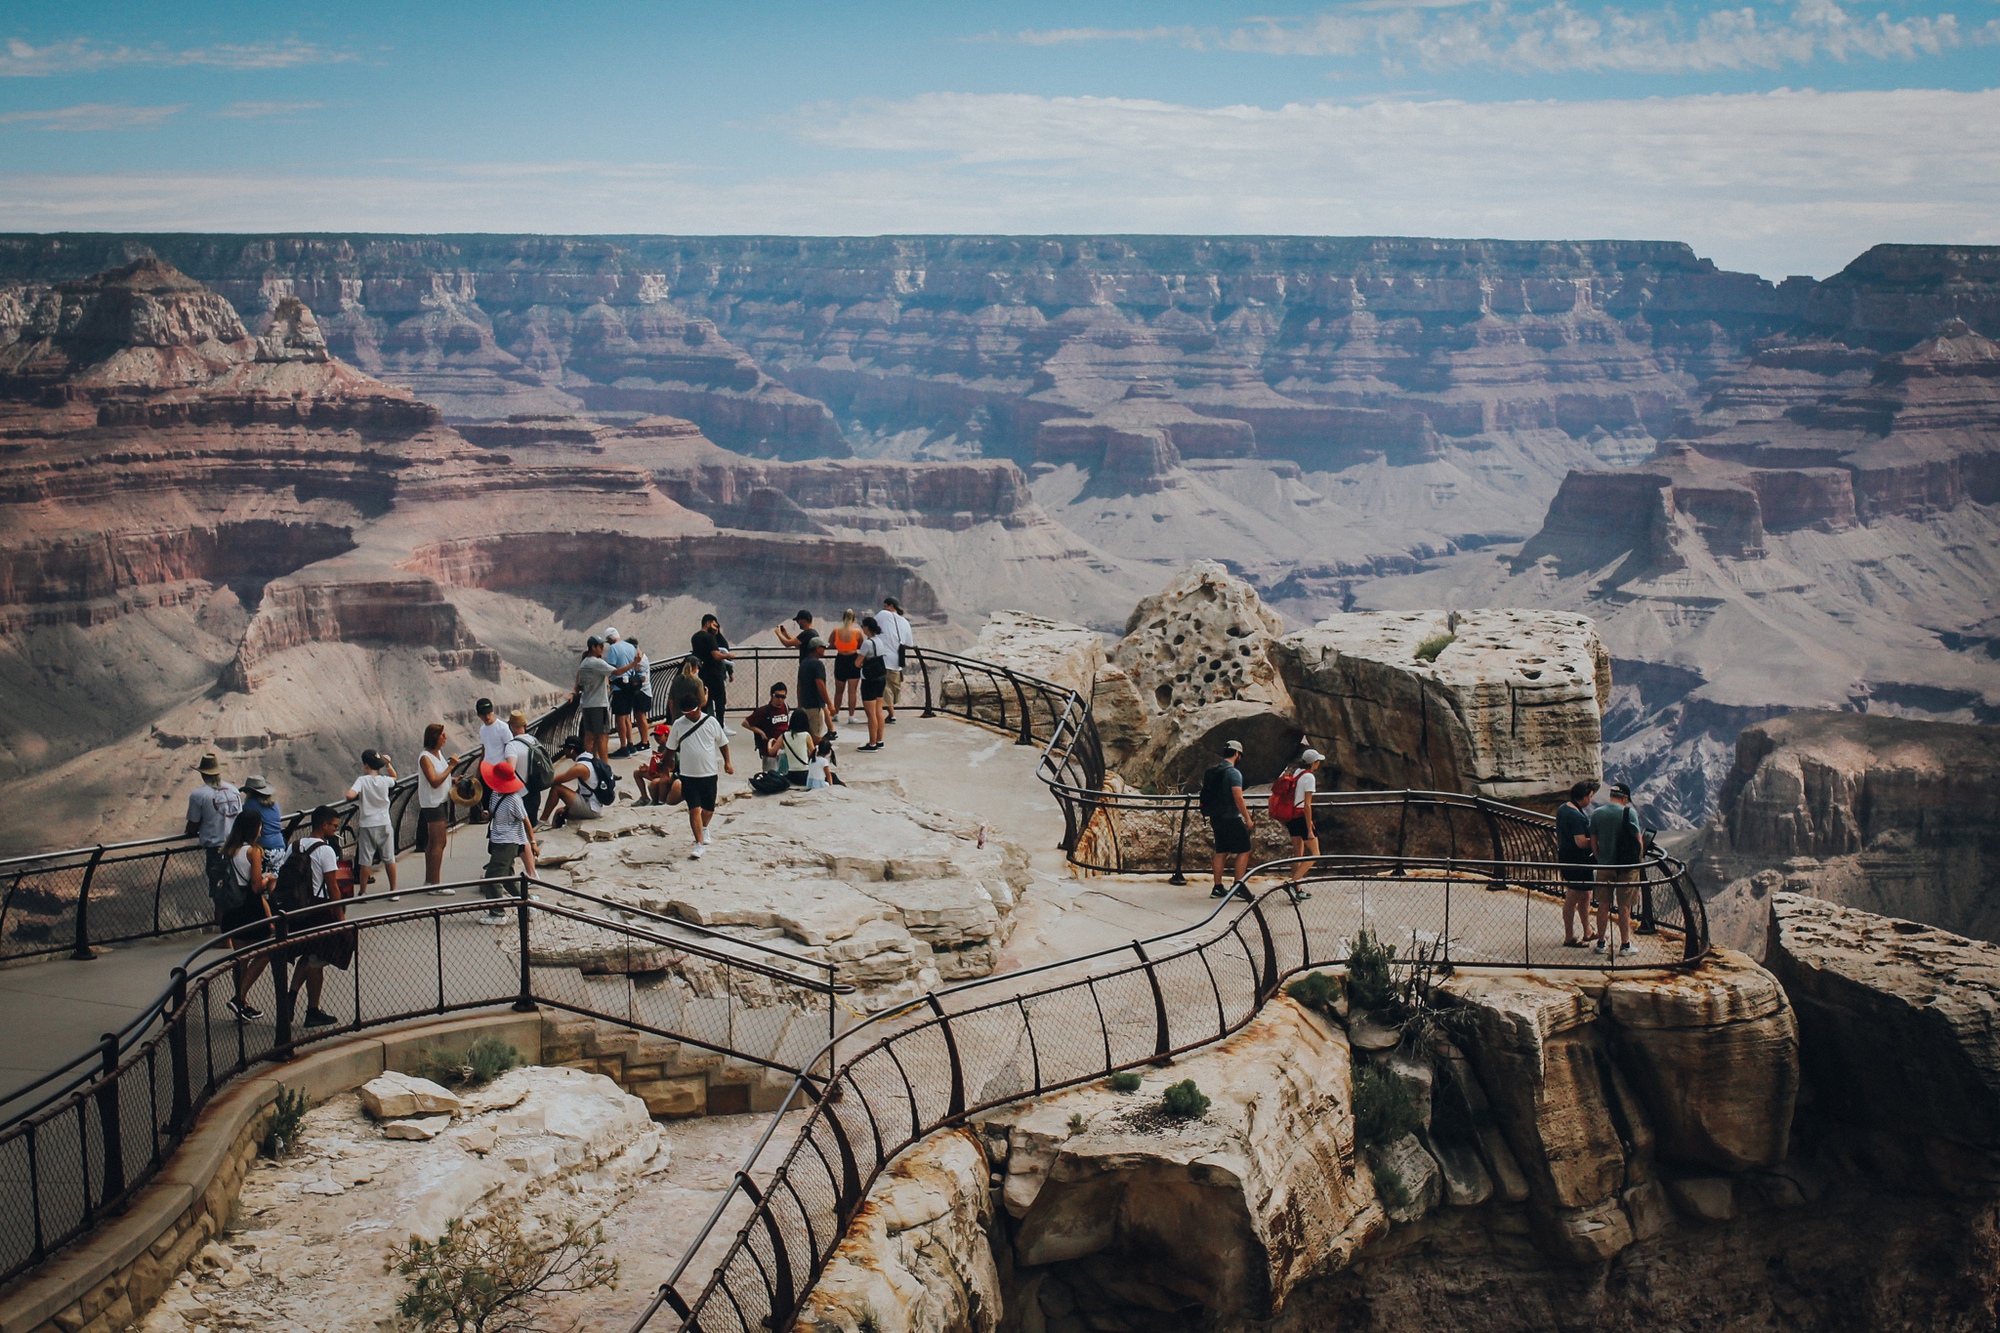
point(1284, 805)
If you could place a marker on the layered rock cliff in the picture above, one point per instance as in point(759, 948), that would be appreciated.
point(1809, 1146)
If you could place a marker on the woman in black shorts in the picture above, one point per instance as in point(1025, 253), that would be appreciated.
point(244, 917)
point(874, 672)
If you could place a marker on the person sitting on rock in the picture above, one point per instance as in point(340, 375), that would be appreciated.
point(797, 749)
point(769, 724)
point(659, 777)
point(574, 793)
point(1228, 820)
point(820, 768)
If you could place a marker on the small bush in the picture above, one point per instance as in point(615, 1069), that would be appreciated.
point(485, 1060)
point(288, 1117)
point(490, 1275)
point(1076, 1122)
point(1125, 1080)
point(1428, 650)
point(1316, 991)
point(1384, 1111)
point(1370, 984)
point(1389, 1187)
point(1184, 1101)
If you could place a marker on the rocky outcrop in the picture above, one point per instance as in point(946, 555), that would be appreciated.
point(1194, 670)
point(900, 896)
point(1036, 646)
point(1509, 706)
point(1137, 442)
point(1892, 815)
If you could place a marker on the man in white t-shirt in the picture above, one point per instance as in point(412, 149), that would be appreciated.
point(1305, 835)
point(702, 743)
point(493, 733)
point(310, 967)
point(895, 627)
point(374, 835)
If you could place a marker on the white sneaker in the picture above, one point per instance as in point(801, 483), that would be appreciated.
point(1597, 947)
point(495, 918)
point(444, 893)
point(700, 850)
point(706, 839)
point(1627, 947)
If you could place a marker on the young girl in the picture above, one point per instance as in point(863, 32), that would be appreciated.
point(846, 665)
point(819, 769)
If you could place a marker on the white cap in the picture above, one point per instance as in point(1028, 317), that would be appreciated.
point(1232, 747)
point(1311, 757)
point(611, 634)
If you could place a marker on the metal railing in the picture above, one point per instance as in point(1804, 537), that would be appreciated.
point(84, 1138)
point(994, 1041)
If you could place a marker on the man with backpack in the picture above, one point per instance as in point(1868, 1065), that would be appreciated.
point(307, 887)
point(1228, 819)
point(530, 760)
point(701, 742)
point(1614, 833)
point(1291, 804)
point(584, 786)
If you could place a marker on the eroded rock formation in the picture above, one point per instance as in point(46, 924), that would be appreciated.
point(1893, 815)
point(1505, 704)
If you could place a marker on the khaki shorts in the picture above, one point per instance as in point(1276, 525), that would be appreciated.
point(1618, 888)
point(892, 689)
point(815, 723)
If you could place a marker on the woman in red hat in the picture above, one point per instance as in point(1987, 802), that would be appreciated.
point(659, 782)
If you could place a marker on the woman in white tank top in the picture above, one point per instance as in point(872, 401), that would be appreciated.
point(434, 803)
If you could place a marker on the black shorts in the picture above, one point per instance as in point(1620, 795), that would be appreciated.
point(1297, 827)
point(699, 793)
point(1232, 836)
point(1579, 876)
point(872, 689)
point(593, 722)
point(846, 668)
point(637, 705)
point(246, 924)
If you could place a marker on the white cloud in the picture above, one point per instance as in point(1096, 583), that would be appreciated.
point(266, 110)
point(1561, 37)
point(1786, 182)
point(91, 116)
point(82, 55)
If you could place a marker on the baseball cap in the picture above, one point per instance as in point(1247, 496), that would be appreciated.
point(593, 642)
point(1232, 747)
point(611, 634)
point(1311, 757)
point(1620, 789)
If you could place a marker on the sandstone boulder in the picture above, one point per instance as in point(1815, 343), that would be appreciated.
point(1714, 1055)
point(1051, 650)
point(1899, 1027)
point(1511, 708)
point(1193, 670)
point(394, 1096)
point(1229, 1213)
point(1407, 1167)
point(917, 1257)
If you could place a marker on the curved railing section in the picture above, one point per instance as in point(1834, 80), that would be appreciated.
point(81, 1141)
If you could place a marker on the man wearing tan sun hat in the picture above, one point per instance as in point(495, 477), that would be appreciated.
point(212, 808)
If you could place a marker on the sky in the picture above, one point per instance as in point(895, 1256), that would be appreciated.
point(1776, 138)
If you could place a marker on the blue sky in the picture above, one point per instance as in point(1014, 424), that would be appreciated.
point(1779, 137)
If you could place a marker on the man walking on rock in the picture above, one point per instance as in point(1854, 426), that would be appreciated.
point(701, 743)
point(1228, 819)
point(1614, 832)
point(212, 810)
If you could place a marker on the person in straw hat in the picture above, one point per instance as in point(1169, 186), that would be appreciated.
point(211, 811)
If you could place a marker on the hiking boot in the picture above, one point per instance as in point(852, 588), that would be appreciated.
point(1218, 892)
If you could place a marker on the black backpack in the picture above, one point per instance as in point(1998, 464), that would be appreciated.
point(1631, 846)
point(1216, 801)
point(295, 877)
point(229, 893)
point(541, 774)
point(605, 788)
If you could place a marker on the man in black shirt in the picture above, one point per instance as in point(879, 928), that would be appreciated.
point(1574, 850)
point(712, 658)
point(1228, 819)
point(768, 724)
point(815, 697)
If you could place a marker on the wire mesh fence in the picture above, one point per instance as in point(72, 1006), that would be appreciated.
point(92, 1133)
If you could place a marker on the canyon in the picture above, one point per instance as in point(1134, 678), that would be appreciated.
point(1766, 495)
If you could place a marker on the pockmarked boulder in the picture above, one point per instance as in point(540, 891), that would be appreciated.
point(1510, 707)
point(394, 1096)
point(1231, 1211)
point(1193, 670)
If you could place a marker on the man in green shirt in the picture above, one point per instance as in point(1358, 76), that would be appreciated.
point(1614, 833)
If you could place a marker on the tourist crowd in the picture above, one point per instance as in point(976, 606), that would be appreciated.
point(517, 787)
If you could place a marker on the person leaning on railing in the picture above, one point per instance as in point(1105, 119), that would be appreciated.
point(212, 808)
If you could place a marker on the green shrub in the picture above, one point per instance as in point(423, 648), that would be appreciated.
point(1316, 991)
point(288, 1117)
point(1184, 1101)
point(1384, 1111)
point(1125, 1080)
point(1369, 981)
point(1389, 1187)
point(485, 1060)
point(1076, 1122)
point(494, 1275)
point(1429, 649)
